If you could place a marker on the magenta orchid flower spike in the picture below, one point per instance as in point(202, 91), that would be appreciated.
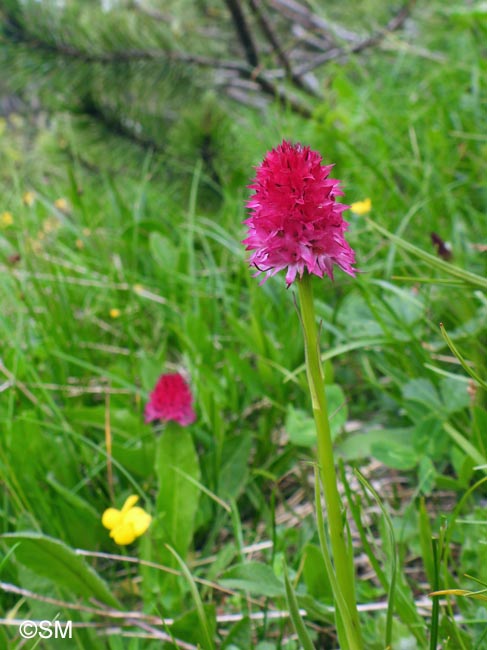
point(296, 224)
point(171, 399)
point(295, 220)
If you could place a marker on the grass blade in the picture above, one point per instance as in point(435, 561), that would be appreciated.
point(431, 260)
point(435, 613)
point(295, 614)
point(461, 360)
point(203, 619)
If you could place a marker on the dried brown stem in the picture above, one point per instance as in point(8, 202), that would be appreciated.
point(244, 33)
point(336, 53)
point(273, 39)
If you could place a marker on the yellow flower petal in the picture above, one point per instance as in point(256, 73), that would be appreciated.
point(29, 198)
point(127, 524)
point(6, 219)
point(131, 501)
point(123, 534)
point(114, 312)
point(139, 519)
point(61, 204)
point(361, 207)
point(111, 518)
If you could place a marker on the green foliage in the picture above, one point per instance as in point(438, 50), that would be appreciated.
point(253, 577)
point(54, 560)
point(153, 230)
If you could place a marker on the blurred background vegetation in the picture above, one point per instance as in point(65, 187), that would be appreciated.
point(128, 133)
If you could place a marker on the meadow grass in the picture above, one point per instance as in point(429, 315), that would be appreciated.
point(141, 271)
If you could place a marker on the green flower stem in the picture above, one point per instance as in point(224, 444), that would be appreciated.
point(342, 559)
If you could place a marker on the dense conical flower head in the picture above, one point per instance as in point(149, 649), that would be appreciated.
point(295, 220)
point(171, 399)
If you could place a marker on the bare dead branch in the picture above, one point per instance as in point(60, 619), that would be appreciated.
point(163, 636)
point(105, 612)
point(301, 15)
point(271, 36)
point(315, 41)
point(337, 53)
point(244, 32)
point(283, 96)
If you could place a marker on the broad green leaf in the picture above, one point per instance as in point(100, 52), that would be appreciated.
point(234, 468)
point(314, 574)
point(354, 309)
point(426, 475)
point(359, 445)
point(337, 408)
point(188, 627)
point(137, 458)
point(407, 307)
point(178, 496)
point(256, 578)
point(52, 559)
point(454, 394)
point(239, 636)
point(301, 426)
point(395, 454)
point(81, 522)
point(423, 391)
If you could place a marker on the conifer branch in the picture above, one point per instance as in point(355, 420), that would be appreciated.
point(123, 56)
point(315, 42)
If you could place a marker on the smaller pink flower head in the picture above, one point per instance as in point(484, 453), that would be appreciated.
point(171, 399)
point(295, 220)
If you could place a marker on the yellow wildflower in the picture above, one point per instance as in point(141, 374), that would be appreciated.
point(62, 204)
point(6, 219)
point(127, 524)
point(361, 207)
point(29, 198)
point(114, 312)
